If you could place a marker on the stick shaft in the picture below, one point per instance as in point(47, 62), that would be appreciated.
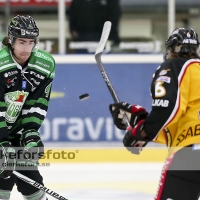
point(100, 48)
point(39, 186)
point(102, 43)
point(106, 79)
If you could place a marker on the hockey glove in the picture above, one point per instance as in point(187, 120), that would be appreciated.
point(33, 146)
point(134, 114)
point(133, 139)
point(7, 159)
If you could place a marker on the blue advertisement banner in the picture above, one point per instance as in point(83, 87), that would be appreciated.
point(72, 120)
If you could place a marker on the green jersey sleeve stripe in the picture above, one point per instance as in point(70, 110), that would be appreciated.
point(34, 109)
point(9, 66)
point(40, 69)
point(2, 114)
point(32, 120)
point(40, 100)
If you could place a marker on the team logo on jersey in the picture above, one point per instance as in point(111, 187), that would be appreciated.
point(7, 74)
point(164, 79)
point(163, 72)
point(10, 82)
point(160, 103)
point(37, 75)
point(192, 131)
point(14, 102)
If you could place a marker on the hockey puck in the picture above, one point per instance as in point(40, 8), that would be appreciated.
point(84, 97)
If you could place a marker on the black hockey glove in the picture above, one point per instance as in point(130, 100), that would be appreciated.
point(133, 140)
point(134, 114)
point(7, 159)
point(33, 146)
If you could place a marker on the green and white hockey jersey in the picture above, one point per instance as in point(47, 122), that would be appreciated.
point(24, 93)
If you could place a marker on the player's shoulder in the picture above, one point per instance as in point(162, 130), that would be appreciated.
point(43, 59)
point(174, 65)
point(6, 61)
point(4, 53)
point(43, 55)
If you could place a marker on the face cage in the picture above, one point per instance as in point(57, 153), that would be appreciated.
point(35, 47)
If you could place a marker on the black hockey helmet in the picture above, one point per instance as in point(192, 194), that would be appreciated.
point(183, 41)
point(23, 27)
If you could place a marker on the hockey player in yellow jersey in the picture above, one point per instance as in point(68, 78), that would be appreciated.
point(174, 119)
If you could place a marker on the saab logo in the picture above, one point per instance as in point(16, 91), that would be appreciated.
point(164, 79)
point(160, 102)
point(7, 74)
point(192, 131)
point(37, 75)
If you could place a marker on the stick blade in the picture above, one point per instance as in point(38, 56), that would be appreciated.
point(104, 37)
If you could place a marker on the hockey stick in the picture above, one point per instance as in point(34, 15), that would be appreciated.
point(100, 48)
point(99, 51)
point(39, 186)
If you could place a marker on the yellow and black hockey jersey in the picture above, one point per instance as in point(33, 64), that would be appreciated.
point(175, 115)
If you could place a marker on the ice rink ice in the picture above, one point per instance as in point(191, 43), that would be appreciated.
point(101, 181)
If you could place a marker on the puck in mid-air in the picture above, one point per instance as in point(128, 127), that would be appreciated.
point(84, 97)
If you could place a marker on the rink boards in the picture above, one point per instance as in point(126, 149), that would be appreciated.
point(71, 120)
point(88, 122)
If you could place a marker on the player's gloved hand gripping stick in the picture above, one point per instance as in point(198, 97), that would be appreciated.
point(100, 48)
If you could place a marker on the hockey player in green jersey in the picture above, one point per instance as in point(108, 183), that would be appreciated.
point(26, 75)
